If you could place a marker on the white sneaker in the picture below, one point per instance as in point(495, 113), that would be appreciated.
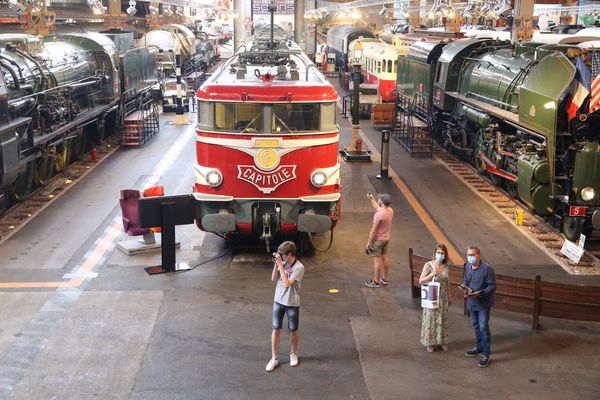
point(273, 362)
point(293, 359)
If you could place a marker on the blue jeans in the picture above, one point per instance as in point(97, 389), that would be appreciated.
point(480, 319)
point(293, 316)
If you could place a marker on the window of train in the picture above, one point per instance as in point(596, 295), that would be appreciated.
point(238, 117)
point(328, 116)
point(205, 116)
point(389, 68)
point(395, 67)
point(378, 67)
point(296, 117)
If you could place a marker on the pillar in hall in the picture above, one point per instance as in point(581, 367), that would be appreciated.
point(239, 31)
point(522, 29)
point(299, 25)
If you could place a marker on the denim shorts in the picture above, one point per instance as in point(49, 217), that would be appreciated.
point(293, 315)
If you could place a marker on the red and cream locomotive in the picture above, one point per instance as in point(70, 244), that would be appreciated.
point(267, 145)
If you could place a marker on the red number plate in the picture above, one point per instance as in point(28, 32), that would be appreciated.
point(577, 211)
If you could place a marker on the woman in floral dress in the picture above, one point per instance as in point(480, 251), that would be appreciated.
point(434, 327)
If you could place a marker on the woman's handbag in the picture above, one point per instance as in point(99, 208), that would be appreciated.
point(430, 295)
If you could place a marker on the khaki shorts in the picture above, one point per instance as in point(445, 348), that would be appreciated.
point(379, 247)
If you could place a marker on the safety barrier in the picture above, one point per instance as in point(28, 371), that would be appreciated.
point(525, 296)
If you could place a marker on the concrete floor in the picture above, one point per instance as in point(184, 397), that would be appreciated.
point(204, 334)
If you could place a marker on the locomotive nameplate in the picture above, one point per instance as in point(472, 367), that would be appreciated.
point(266, 182)
point(266, 142)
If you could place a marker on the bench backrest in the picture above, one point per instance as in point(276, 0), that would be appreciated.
point(526, 296)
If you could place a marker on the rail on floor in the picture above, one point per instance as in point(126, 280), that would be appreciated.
point(526, 296)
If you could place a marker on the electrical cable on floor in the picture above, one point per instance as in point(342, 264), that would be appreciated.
point(226, 252)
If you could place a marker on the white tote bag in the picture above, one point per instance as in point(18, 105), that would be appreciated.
point(430, 295)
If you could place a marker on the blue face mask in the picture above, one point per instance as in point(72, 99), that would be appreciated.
point(284, 259)
point(439, 257)
point(471, 259)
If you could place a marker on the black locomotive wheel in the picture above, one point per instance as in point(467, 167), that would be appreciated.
point(4, 202)
point(21, 187)
point(496, 180)
point(43, 169)
point(63, 155)
point(511, 188)
point(572, 227)
point(78, 149)
point(479, 165)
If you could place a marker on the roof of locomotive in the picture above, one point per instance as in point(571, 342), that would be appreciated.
point(380, 50)
point(457, 47)
point(244, 78)
point(342, 31)
point(426, 51)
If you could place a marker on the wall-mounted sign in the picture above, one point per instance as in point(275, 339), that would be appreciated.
point(261, 7)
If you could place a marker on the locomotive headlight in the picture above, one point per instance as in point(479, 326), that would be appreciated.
point(214, 178)
point(588, 193)
point(318, 178)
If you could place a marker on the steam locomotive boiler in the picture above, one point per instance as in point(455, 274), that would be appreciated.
point(504, 108)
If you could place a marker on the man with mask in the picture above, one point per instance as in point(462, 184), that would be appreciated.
point(288, 272)
point(480, 285)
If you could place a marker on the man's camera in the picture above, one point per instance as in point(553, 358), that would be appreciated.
point(274, 256)
point(369, 250)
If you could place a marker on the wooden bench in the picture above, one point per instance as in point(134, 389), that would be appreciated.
point(383, 115)
point(526, 296)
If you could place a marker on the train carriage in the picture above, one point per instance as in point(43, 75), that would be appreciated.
point(380, 66)
point(340, 37)
point(267, 145)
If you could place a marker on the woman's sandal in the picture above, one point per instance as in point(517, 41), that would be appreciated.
point(430, 349)
point(444, 347)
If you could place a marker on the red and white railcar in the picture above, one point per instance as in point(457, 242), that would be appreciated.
point(267, 145)
point(380, 65)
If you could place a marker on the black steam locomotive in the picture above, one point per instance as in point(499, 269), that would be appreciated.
point(61, 97)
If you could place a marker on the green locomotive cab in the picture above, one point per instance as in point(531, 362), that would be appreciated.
point(503, 108)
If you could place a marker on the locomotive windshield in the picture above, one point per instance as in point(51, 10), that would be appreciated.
point(239, 117)
point(267, 118)
point(295, 117)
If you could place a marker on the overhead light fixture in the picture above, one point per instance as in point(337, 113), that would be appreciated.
point(383, 10)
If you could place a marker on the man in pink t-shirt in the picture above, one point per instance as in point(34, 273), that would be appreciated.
point(379, 237)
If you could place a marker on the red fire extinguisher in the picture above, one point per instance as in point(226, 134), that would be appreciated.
point(93, 154)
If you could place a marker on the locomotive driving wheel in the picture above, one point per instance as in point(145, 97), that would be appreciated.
point(4, 202)
point(479, 164)
point(43, 169)
point(572, 227)
point(63, 155)
point(21, 187)
point(511, 188)
point(78, 147)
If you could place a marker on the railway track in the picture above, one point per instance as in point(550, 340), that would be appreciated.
point(19, 215)
point(542, 233)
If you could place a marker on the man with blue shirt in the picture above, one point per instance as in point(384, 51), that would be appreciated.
point(480, 285)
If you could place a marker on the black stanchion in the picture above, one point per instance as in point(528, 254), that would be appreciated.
point(385, 155)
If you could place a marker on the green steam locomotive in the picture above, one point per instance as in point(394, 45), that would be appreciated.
point(504, 107)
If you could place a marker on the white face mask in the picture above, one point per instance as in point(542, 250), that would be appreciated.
point(439, 257)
